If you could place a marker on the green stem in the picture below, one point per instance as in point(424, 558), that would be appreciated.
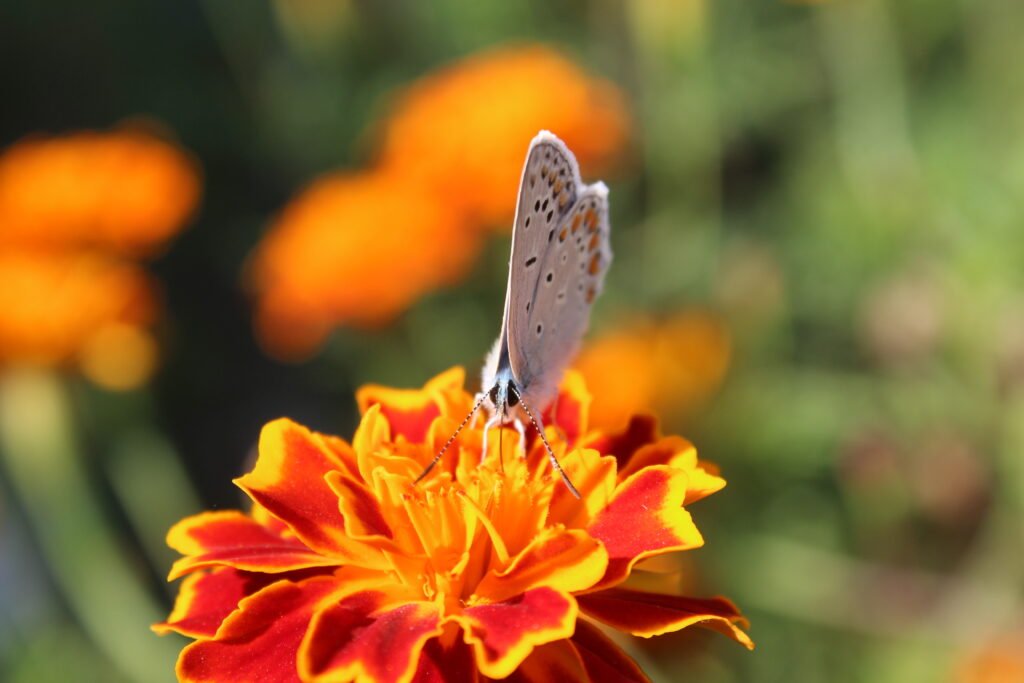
point(93, 571)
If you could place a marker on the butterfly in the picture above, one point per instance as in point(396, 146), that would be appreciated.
point(560, 255)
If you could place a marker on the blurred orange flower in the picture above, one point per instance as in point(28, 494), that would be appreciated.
point(463, 129)
point(353, 248)
point(73, 209)
point(126, 191)
point(358, 248)
point(52, 304)
point(666, 367)
point(1000, 660)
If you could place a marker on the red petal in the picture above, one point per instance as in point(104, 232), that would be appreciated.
point(652, 614)
point(557, 661)
point(503, 634)
point(641, 430)
point(446, 664)
point(231, 538)
point(360, 638)
point(205, 599)
point(288, 481)
point(645, 517)
point(259, 641)
point(603, 659)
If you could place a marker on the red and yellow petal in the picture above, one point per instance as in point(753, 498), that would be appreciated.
point(260, 640)
point(602, 658)
point(645, 517)
point(652, 614)
point(288, 481)
point(667, 450)
point(503, 634)
point(677, 452)
point(410, 412)
point(363, 638)
point(702, 479)
point(566, 560)
point(230, 538)
point(205, 599)
point(568, 412)
point(364, 519)
point(593, 475)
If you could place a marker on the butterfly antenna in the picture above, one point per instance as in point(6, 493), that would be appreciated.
point(551, 453)
point(465, 421)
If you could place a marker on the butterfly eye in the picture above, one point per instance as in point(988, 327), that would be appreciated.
point(493, 395)
point(513, 399)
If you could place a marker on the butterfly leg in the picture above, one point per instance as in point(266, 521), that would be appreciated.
point(493, 421)
point(521, 428)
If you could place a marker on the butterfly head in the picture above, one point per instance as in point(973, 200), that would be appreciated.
point(503, 396)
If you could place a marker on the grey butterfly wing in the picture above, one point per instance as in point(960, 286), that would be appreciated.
point(557, 271)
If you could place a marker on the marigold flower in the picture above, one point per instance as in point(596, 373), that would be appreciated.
point(355, 248)
point(463, 129)
point(347, 570)
point(126, 191)
point(54, 304)
point(665, 368)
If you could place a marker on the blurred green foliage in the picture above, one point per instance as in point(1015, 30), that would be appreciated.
point(841, 180)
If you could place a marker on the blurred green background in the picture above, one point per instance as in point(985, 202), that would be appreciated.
point(840, 182)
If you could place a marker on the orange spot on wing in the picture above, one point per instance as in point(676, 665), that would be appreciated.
point(576, 223)
point(563, 234)
point(595, 264)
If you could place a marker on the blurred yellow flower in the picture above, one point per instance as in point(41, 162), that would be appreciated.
point(666, 367)
point(125, 190)
point(53, 304)
point(352, 248)
point(463, 129)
